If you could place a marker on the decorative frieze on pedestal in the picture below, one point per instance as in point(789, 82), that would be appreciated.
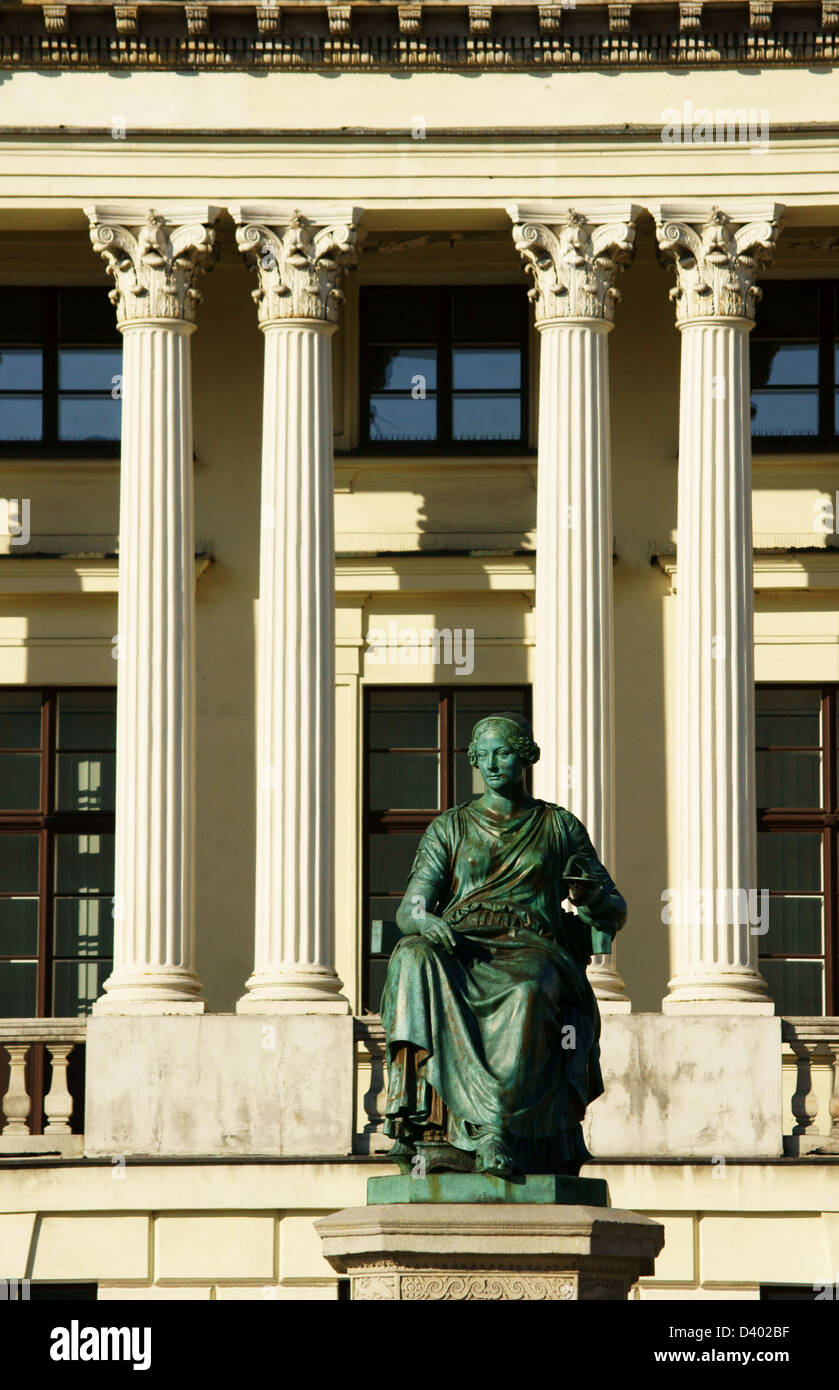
point(300, 261)
point(156, 259)
point(573, 256)
point(717, 255)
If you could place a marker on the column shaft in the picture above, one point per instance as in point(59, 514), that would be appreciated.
point(573, 700)
point(155, 777)
point(715, 948)
point(295, 679)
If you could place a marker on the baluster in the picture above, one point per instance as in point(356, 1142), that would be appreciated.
point(16, 1102)
point(58, 1103)
point(805, 1102)
point(834, 1098)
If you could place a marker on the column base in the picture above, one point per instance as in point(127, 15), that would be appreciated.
point(446, 1251)
point(157, 992)
point(729, 992)
point(298, 992)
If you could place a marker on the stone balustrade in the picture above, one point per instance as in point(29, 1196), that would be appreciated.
point(812, 1049)
point(59, 1036)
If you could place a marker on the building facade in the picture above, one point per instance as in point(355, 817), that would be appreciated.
point(365, 369)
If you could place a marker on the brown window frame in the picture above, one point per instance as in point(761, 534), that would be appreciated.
point(47, 823)
point(406, 822)
point(823, 820)
point(827, 337)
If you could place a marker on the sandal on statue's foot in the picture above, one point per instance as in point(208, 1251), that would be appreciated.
point(493, 1156)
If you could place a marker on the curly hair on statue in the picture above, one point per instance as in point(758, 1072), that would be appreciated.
point(517, 733)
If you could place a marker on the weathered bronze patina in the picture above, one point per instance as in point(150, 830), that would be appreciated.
point(492, 1026)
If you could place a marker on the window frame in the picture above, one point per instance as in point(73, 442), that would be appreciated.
point(50, 341)
point(405, 822)
point(823, 820)
point(444, 444)
point(827, 337)
point(48, 823)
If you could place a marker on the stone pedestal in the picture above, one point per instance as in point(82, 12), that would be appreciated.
point(490, 1251)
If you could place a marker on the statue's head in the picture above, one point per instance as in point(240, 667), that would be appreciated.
point(502, 748)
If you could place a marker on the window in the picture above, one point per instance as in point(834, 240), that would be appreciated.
point(57, 766)
point(444, 366)
point(795, 366)
point(798, 819)
point(416, 767)
point(60, 365)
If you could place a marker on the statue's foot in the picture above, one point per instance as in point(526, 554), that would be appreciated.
point(493, 1156)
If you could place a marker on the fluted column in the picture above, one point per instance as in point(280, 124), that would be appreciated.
point(156, 260)
point(574, 256)
point(716, 258)
point(300, 261)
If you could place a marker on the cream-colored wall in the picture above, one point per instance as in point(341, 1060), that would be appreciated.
point(188, 1231)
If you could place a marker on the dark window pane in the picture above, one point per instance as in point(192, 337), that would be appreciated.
point(86, 781)
point(795, 927)
point(404, 781)
point(76, 985)
point(779, 413)
point(472, 705)
point(404, 719)
point(18, 986)
point(21, 369)
point(22, 315)
point(789, 718)
point(89, 417)
point(789, 861)
point(486, 416)
point(376, 976)
point(797, 987)
point(20, 719)
point(391, 857)
point(384, 908)
point(401, 417)
point(788, 310)
point(21, 417)
point(86, 316)
point(84, 863)
point(487, 369)
point(84, 927)
point(487, 314)
point(87, 719)
point(785, 364)
point(411, 369)
point(467, 780)
point(391, 315)
point(788, 779)
point(18, 863)
point(20, 781)
point(88, 369)
point(18, 926)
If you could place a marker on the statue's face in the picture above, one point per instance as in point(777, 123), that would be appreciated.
point(500, 765)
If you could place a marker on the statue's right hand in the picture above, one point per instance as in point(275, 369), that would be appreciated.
point(436, 930)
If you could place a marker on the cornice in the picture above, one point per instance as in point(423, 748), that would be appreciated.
point(230, 35)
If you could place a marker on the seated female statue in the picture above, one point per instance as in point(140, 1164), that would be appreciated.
point(492, 1026)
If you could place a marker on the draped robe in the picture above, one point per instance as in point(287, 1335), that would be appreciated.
point(505, 1030)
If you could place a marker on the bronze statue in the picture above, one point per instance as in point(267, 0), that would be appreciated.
point(492, 1026)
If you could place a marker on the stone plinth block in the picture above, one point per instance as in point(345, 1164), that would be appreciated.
point(688, 1087)
point(490, 1251)
point(219, 1084)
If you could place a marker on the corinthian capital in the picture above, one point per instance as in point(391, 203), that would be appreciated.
point(717, 256)
point(299, 259)
point(574, 255)
point(154, 257)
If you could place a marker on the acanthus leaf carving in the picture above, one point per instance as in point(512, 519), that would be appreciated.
point(300, 263)
point(716, 263)
point(574, 264)
point(155, 262)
